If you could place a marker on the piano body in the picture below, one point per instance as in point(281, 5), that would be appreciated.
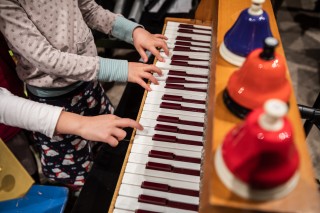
point(169, 166)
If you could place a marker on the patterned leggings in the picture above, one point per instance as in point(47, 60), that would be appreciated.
point(67, 158)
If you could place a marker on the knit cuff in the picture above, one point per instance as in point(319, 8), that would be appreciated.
point(123, 28)
point(113, 70)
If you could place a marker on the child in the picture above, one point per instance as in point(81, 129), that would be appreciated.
point(58, 61)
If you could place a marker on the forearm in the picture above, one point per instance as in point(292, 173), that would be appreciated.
point(69, 123)
point(27, 114)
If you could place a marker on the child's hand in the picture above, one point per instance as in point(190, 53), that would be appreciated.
point(106, 128)
point(139, 71)
point(143, 40)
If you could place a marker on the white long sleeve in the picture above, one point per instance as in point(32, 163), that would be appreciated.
point(27, 114)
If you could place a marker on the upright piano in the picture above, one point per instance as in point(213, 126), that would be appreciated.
point(169, 166)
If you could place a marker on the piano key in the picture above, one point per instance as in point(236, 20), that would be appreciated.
point(181, 80)
point(164, 130)
point(176, 99)
point(122, 211)
point(198, 70)
point(146, 149)
point(174, 139)
point(204, 64)
point(175, 46)
point(160, 96)
point(184, 33)
point(145, 140)
point(129, 203)
point(188, 27)
point(178, 89)
point(144, 159)
point(177, 24)
point(136, 179)
point(173, 118)
point(154, 108)
point(166, 202)
point(192, 31)
point(141, 169)
point(181, 73)
point(170, 189)
point(191, 49)
point(174, 54)
point(187, 37)
point(178, 155)
point(187, 58)
point(135, 191)
point(152, 123)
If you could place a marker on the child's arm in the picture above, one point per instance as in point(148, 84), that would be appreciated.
point(47, 119)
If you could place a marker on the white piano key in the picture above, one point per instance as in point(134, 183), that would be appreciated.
point(177, 24)
point(140, 169)
point(196, 86)
point(155, 101)
point(171, 44)
point(149, 131)
point(154, 108)
point(173, 35)
point(145, 140)
point(129, 203)
point(198, 55)
point(193, 48)
point(144, 159)
point(201, 63)
point(161, 88)
point(135, 179)
point(145, 122)
point(199, 71)
point(145, 149)
point(155, 115)
point(135, 191)
point(165, 75)
point(159, 94)
point(122, 211)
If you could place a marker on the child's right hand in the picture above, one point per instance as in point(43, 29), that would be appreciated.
point(139, 71)
point(106, 128)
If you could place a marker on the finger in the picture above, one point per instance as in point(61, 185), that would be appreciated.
point(165, 48)
point(118, 133)
point(143, 84)
point(127, 122)
point(156, 53)
point(161, 36)
point(150, 77)
point(154, 69)
point(143, 54)
point(112, 141)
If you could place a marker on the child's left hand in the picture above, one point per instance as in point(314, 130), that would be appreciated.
point(143, 40)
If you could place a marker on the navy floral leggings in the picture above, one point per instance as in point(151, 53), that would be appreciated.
point(67, 158)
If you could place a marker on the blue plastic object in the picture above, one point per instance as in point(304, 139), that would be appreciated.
point(247, 33)
point(39, 199)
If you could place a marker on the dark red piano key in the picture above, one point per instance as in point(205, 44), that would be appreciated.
point(159, 166)
point(175, 106)
point(189, 26)
point(166, 128)
point(186, 64)
point(152, 200)
point(188, 49)
point(170, 128)
point(165, 202)
point(185, 74)
point(182, 87)
point(170, 189)
point(168, 168)
point(190, 31)
point(184, 38)
point(171, 79)
point(173, 139)
point(172, 156)
point(155, 186)
point(185, 58)
point(144, 211)
point(161, 154)
point(172, 119)
point(181, 99)
point(184, 43)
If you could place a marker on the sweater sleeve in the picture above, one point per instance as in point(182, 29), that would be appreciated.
point(27, 114)
point(27, 40)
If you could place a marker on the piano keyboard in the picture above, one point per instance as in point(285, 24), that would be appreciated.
point(164, 165)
